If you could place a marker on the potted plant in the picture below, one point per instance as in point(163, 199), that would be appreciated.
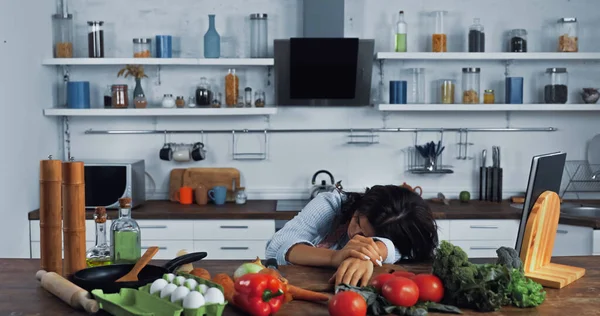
point(137, 72)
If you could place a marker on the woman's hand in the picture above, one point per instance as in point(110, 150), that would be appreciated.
point(358, 247)
point(352, 271)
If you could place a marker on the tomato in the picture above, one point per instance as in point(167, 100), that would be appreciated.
point(401, 291)
point(347, 303)
point(378, 281)
point(405, 274)
point(430, 286)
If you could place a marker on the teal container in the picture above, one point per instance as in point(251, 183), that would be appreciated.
point(212, 40)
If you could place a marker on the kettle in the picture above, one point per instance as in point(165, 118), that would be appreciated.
point(324, 187)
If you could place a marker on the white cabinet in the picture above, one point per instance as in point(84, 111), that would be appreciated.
point(443, 229)
point(573, 241)
point(36, 248)
point(232, 249)
point(468, 229)
point(482, 248)
point(596, 243)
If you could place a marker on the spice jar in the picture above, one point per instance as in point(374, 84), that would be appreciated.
point(259, 99)
point(567, 35)
point(203, 93)
point(241, 197)
point(476, 37)
point(217, 100)
point(248, 97)
point(439, 39)
point(470, 82)
point(120, 96)
point(192, 102)
point(62, 23)
point(232, 83)
point(447, 91)
point(556, 89)
point(240, 103)
point(517, 42)
point(180, 102)
point(140, 102)
point(488, 96)
point(141, 48)
point(95, 39)
point(168, 101)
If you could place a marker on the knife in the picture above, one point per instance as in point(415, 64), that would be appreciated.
point(495, 174)
point(489, 187)
point(499, 179)
point(482, 174)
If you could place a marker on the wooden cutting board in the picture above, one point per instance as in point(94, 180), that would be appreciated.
point(175, 182)
point(212, 177)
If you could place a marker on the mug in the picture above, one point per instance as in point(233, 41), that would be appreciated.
point(201, 195)
point(218, 194)
point(405, 185)
point(198, 152)
point(78, 95)
point(185, 195)
point(182, 154)
point(166, 153)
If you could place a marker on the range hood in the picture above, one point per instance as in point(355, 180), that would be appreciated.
point(322, 67)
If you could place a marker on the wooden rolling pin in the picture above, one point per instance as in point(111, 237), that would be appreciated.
point(68, 292)
point(51, 215)
point(73, 191)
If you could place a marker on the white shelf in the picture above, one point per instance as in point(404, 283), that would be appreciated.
point(163, 112)
point(486, 107)
point(487, 56)
point(160, 61)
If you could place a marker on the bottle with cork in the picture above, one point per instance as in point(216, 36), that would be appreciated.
point(125, 235)
point(99, 255)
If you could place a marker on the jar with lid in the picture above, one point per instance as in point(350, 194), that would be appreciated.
point(168, 101)
point(232, 85)
point(248, 97)
point(470, 83)
point(258, 35)
point(567, 35)
point(140, 101)
point(180, 102)
point(62, 24)
point(240, 103)
point(108, 97)
point(217, 100)
point(556, 89)
point(241, 197)
point(447, 88)
point(141, 47)
point(259, 99)
point(203, 93)
point(95, 39)
point(476, 37)
point(439, 39)
point(517, 41)
point(120, 96)
point(489, 97)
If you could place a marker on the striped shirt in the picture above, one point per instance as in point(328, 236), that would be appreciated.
point(312, 225)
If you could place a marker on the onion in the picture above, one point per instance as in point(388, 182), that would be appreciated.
point(246, 268)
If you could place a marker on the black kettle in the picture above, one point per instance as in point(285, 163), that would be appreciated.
point(324, 187)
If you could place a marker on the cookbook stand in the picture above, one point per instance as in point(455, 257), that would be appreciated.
point(538, 242)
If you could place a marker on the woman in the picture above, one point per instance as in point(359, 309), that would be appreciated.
point(354, 231)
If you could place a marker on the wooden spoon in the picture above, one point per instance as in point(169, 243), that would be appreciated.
point(132, 276)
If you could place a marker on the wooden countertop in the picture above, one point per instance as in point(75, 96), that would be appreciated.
point(265, 209)
point(22, 295)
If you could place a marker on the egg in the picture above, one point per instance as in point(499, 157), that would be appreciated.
point(193, 300)
point(191, 284)
point(179, 280)
point(179, 294)
point(214, 296)
point(167, 290)
point(169, 277)
point(202, 288)
point(158, 285)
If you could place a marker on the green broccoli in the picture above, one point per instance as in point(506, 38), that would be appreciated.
point(509, 257)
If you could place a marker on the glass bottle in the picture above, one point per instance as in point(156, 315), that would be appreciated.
point(141, 48)
point(489, 97)
point(217, 100)
point(400, 34)
point(62, 23)
point(232, 85)
point(476, 37)
point(126, 246)
point(447, 87)
point(567, 35)
point(471, 82)
point(248, 97)
point(517, 42)
point(556, 90)
point(418, 85)
point(95, 39)
point(439, 39)
point(203, 93)
point(212, 40)
point(180, 102)
point(120, 96)
point(240, 103)
point(258, 35)
point(259, 99)
point(99, 255)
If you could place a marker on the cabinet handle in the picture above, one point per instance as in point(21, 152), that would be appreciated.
point(235, 227)
point(155, 226)
point(234, 248)
point(483, 248)
point(161, 248)
point(484, 226)
point(562, 231)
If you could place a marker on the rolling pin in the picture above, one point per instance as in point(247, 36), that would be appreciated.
point(67, 291)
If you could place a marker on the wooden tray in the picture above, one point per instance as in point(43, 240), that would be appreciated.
point(175, 183)
point(212, 177)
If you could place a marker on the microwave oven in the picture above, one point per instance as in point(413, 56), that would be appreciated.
point(106, 181)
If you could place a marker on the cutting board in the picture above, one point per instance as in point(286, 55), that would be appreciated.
point(175, 182)
point(212, 177)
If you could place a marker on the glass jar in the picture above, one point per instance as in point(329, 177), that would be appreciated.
point(447, 88)
point(439, 39)
point(248, 97)
point(180, 102)
point(240, 103)
point(476, 37)
point(126, 236)
point(108, 97)
point(120, 96)
point(192, 102)
point(489, 97)
point(258, 35)
point(168, 101)
point(62, 23)
point(241, 197)
point(95, 39)
point(567, 35)
point(556, 89)
point(232, 85)
point(259, 99)
point(141, 47)
point(517, 41)
point(418, 85)
point(140, 102)
point(217, 100)
point(203, 93)
point(470, 83)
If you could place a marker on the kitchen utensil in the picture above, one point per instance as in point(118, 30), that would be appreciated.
point(482, 173)
point(201, 194)
point(218, 194)
point(185, 195)
point(132, 276)
point(593, 151)
point(443, 198)
point(73, 204)
point(415, 189)
point(494, 174)
point(68, 292)
point(324, 187)
point(212, 177)
point(175, 182)
point(499, 179)
point(51, 215)
point(104, 277)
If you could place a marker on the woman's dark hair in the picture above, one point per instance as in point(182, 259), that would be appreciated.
point(399, 214)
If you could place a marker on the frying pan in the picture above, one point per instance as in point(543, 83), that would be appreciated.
point(104, 277)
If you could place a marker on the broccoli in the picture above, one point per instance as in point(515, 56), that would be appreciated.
point(509, 257)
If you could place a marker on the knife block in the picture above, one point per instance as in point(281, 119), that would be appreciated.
point(538, 242)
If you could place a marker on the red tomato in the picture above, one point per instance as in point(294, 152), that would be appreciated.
point(347, 303)
point(405, 274)
point(430, 286)
point(401, 291)
point(378, 281)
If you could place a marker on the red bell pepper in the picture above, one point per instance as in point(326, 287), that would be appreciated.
point(259, 294)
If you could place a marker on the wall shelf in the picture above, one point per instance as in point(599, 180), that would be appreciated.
point(487, 56)
point(163, 112)
point(159, 61)
point(486, 107)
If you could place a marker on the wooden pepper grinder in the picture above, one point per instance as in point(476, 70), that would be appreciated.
point(74, 216)
point(51, 215)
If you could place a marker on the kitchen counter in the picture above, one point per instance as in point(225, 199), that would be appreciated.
point(266, 209)
point(22, 295)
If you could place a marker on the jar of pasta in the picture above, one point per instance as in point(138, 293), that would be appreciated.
point(141, 48)
point(232, 85)
point(470, 83)
point(439, 39)
point(567, 35)
point(447, 91)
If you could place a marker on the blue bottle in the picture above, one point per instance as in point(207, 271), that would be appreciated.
point(212, 40)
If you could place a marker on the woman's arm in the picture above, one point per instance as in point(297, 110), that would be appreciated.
point(386, 246)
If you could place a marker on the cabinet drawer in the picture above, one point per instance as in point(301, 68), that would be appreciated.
point(443, 229)
point(90, 230)
point(234, 229)
point(596, 245)
point(483, 248)
point(36, 248)
point(483, 229)
point(232, 249)
point(166, 229)
point(573, 241)
point(167, 249)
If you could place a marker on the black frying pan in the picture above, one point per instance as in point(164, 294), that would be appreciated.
point(104, 277)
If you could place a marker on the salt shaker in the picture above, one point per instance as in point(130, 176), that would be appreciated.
point(241, 197)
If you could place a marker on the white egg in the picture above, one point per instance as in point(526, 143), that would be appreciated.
point(191, 284)
point(179, 280)
point(179, 294)
point(169, 277)
point(158, 285)
point(202, 288)
point(167, 290)
point(214, 296)
point(193, 300)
